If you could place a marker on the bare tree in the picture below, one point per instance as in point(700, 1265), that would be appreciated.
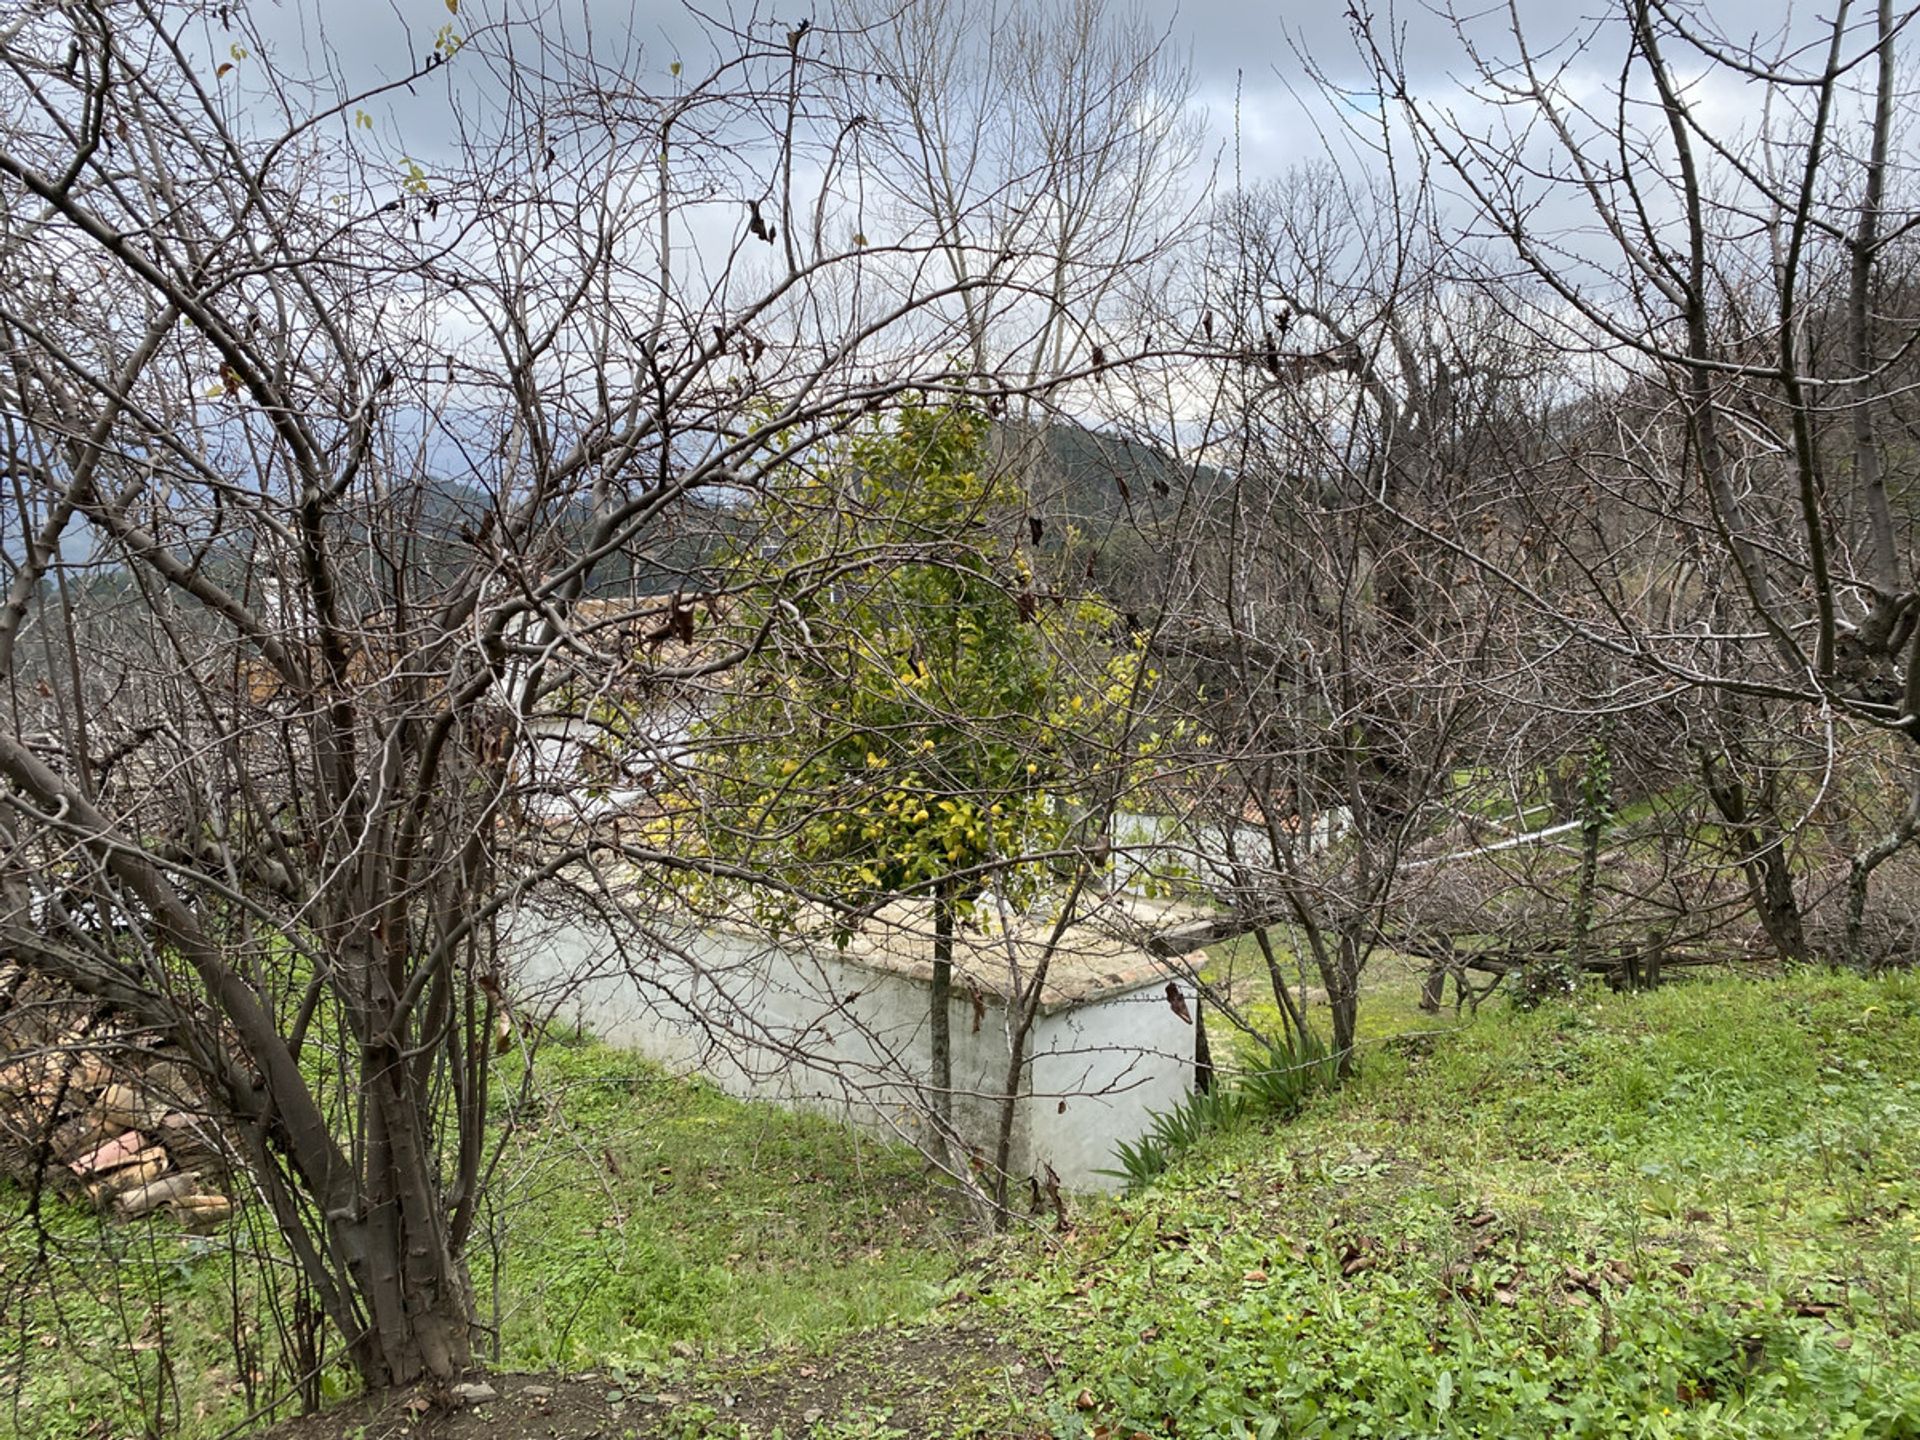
point(1741, 283)
point(327, 413)
point(1331, 663)
point(1048, 147)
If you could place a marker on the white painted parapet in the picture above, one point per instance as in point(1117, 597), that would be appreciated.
point(846, 1031)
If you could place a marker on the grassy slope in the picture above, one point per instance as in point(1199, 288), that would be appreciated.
point(1688, 1213)
point(642, 1218)
point(642, 1212)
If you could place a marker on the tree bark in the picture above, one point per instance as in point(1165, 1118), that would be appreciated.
point(416, 1283)
point(940, 1028)
point(1763, 860)
point(1202, 1051)
point(1343, 1003)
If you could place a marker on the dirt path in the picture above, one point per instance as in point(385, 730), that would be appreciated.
point(942, 1379)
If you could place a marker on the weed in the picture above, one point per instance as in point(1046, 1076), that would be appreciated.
point(1686, 1213)
point(1288, 1073)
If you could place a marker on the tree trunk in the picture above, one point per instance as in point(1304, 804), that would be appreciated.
point(1590, 834)
point(1022, 1009)
point(421, 1310)
point(1343, 1003)
point(1561, 977)
point(1202, 1051)
point(1778, 906)
point(1433, 990)
point(940, 1029)
point(416, 1286)
point(1289, 1011)
point(1861, 870)
point(1763, 860)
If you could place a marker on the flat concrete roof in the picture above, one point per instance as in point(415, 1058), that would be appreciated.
point(1092, 960)
point(1102, 954)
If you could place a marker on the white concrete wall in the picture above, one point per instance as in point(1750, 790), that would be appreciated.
point(1098, 1072)
point(807, 1027)
point(1145, 842)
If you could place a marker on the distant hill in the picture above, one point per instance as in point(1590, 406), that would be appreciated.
point(1108, 506)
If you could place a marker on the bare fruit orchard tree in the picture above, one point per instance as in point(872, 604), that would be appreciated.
point(1719, 242)
point(330, 409)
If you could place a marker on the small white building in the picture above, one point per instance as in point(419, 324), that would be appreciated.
point(845, 1029)
point(834, 1024)
point(1212, 854)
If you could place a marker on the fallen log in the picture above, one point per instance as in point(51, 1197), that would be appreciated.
point(124, 1149)
point(202, 1212)
point(148, 1167)
point(120, 1105)
point(148, 1198)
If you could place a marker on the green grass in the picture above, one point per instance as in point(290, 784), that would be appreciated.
point(1389, 996)
point(639, 1212)
point(93, 1317)
point(641, 1219)
point(1687, 1213)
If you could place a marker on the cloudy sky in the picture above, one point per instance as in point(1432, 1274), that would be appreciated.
point(1249, 57)
point(1257, 67)
point(1254, 51)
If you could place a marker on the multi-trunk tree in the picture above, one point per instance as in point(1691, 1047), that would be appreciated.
point(325, 409)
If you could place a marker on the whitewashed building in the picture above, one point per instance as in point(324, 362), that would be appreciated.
point(846, 1030)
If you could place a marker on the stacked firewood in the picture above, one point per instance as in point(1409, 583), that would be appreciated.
point(89, 1104)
